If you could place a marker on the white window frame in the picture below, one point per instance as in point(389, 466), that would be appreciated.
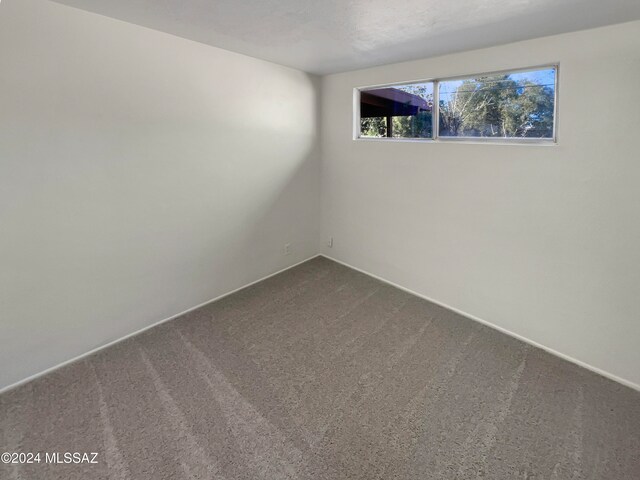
point(436, 138)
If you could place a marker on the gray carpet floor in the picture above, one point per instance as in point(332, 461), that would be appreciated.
point(324, 373)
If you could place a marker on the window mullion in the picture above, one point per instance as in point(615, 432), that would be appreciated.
point(435, 111)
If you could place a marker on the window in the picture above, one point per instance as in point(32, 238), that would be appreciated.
point(508, 106)
point(401, 111)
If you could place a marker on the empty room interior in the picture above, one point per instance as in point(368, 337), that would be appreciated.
point(295, 239)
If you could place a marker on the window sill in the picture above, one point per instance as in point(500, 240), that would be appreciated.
point(465, 141)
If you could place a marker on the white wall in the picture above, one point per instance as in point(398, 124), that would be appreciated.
point(543, 241)
point(140, 175)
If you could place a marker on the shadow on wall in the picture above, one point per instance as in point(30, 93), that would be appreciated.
point(288, 212)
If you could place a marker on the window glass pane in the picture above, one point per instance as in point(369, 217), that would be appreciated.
point(516, 105)
point(400, 111)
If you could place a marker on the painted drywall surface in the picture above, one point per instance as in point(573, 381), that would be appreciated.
point(543, 241)
point(140, 174)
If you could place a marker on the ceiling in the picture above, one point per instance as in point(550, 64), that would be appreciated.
point(329, 36)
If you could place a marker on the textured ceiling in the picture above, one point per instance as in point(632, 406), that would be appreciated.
point(328, 36)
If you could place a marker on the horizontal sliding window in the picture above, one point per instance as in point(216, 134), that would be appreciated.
point(516, 105)
point(510, 106)
point(401, 111)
